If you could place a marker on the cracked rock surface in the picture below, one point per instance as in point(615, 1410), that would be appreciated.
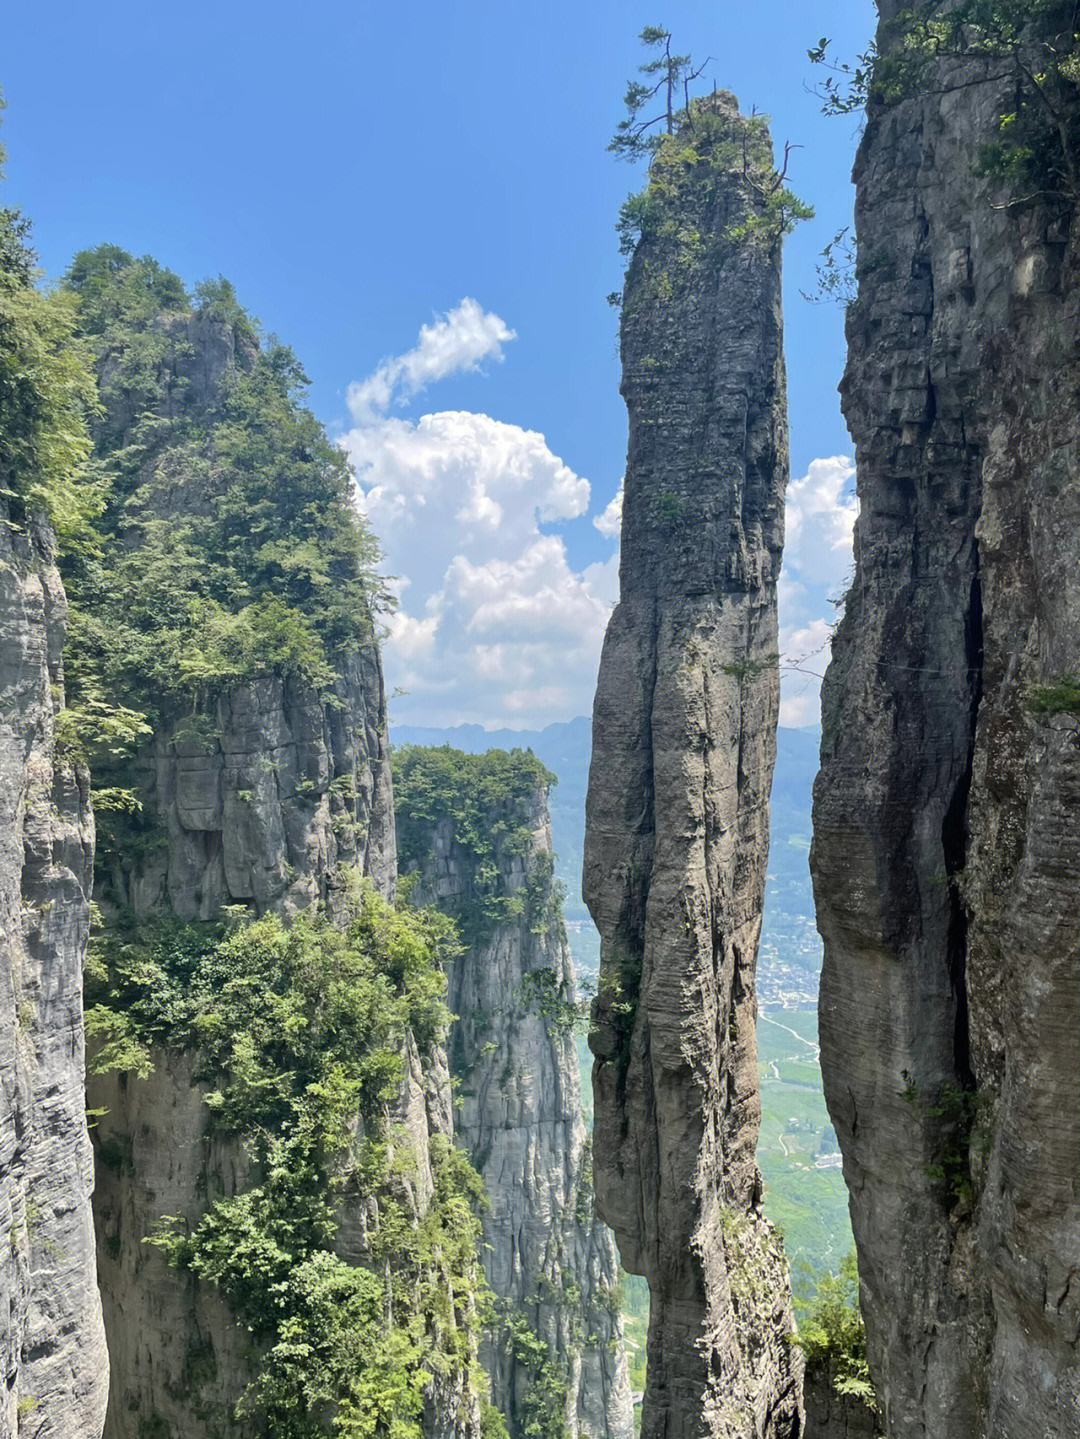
point(678, 807)
point(52, 1344)
point(947, 842)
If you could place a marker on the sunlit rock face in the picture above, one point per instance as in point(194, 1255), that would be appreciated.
point(52, 1345)
point(678, 808)
point(947, 842)
point(548, 1259)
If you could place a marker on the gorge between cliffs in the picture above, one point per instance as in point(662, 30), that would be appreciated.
point(371, 1070)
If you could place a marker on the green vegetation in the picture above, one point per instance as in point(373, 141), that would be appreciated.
point(1060, 699)
point(697, 148)
point(222, 542)
point(210, 538)
point(47, 396)
point(488, 801)
point(957, 1122)
point(296, 1031)
point(805, 1195)
point(831, 1332)
point(1028, 49)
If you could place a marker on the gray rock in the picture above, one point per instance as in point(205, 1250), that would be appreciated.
point(831, 1415)
point(946, 838)
point(520, 1119)
point(678, 808)
point(52, 1345)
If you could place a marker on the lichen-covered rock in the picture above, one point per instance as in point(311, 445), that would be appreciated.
point(947, 842)
point(52, 1345)
point(548, 1259)
point(678, 809)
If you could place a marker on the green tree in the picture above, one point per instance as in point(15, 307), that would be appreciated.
point(668, 78)
point(47, 395)
point(1028, 50)
point(831, 1332)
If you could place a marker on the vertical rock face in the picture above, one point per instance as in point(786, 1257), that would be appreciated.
point(677, 830)
point(263, 815)
point(55, 1369)
point(269, 796)
point(832, 1415)
point(548, 1260)
point(947, 846)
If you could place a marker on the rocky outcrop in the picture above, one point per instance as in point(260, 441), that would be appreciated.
point(832, 1415)
point(946, 838)
point(266, 796)
point(678, 808)
point(549, 1261)
point(55, 1369)
point(262, 814)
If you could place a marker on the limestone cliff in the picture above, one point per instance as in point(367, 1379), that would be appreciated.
point(264, 815)
point(946, 838)
point(480, 850)
point(312, 1251)
point(55, 1369)
point(678, 806)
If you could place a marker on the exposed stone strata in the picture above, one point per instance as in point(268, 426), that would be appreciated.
point(947, 846)
point(52, 1345)
point(520, 1119)
point(677, 836)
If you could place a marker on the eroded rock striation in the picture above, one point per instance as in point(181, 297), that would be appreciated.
point(55, 1369)
point(678, 808)
point(475, 838)
point(947, 846)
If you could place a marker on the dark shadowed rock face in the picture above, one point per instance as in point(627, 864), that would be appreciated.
point(832, 1415)
point(677, 830)
point(947, 843)
point(52, 1345)
point(513, 1051)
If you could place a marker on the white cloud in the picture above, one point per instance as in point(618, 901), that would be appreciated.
point(494, 624)
point(609, 521)
point(458, 341)
point(821, 514)
point(821, 511)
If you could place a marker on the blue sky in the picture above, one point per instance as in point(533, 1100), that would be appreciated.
point(359, 170)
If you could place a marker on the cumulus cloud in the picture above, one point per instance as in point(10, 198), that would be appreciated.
point(821, 514)
point(457, 341)
point(494, 624)
point(609, 521)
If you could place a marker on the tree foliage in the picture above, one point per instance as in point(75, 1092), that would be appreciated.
point(831, 1332)
point(488, 801)
point(297, 1031)
point(691, 144)
point(230, 545)
point(47, 395)
point(1028, 49)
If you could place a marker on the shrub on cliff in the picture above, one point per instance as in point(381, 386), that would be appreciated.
point(298, 1030)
